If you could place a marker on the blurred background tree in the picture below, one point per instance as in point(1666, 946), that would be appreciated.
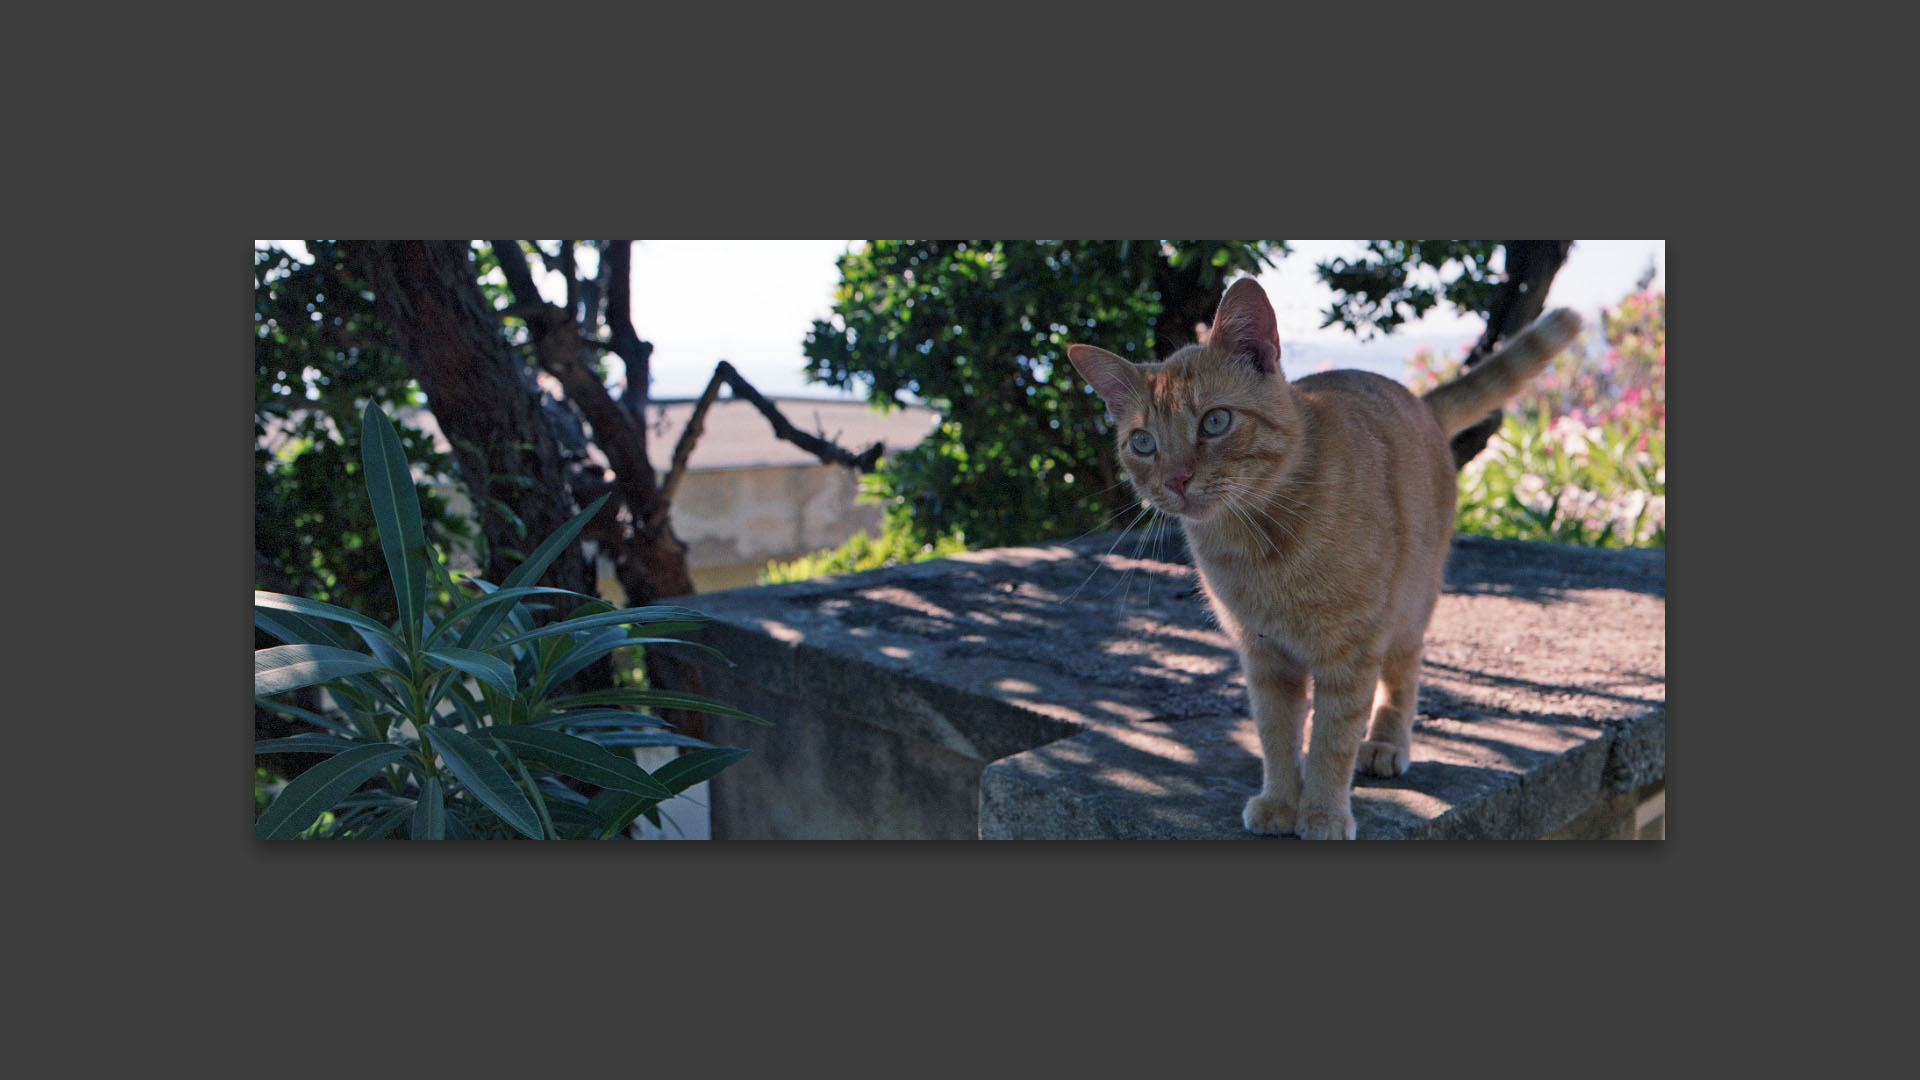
point(1395, 281)
point(977, 329)
point(319, 355)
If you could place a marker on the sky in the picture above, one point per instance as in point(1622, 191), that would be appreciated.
point(752, 302)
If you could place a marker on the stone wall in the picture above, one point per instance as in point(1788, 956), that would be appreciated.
point(1081, 690)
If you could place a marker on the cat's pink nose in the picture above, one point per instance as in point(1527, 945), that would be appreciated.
point(1179, 484)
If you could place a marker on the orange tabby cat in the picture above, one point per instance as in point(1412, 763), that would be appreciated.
point(1319, 514)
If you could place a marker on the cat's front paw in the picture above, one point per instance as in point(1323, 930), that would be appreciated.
point(1381, 759)
point(1268, 816)
point(1316, 824)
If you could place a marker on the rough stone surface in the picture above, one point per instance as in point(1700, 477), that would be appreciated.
point(1082, 690)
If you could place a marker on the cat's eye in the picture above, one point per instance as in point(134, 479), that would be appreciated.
point(1215, 422)
point(1142, 443)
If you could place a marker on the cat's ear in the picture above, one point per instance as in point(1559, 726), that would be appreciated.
point(1244, 326)
point(1114, 378)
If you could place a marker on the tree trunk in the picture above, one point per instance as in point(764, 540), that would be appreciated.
point(648, 558)
point(1531, 265)
point(1187, 298)
point(483, 396)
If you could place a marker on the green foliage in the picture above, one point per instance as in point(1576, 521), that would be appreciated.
point(320, 356)
point(978, 330)
point(863, 551)
point(1555, 479)
point(450, 724)
point(1581, 458)
point(1396, 281)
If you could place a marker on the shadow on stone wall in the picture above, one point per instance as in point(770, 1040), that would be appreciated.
point(1081, 689)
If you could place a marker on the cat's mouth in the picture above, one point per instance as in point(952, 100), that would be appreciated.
point(1193, 506)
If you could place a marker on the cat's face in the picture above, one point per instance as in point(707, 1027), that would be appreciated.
point(1211, 428)
point(1200, 435)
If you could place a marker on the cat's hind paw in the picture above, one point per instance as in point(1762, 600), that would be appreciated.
point(1382, 759)
point(1324, 825)
point(1268, 816)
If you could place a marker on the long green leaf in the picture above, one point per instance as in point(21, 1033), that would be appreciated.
point(536, 564)
point(396, 513)
point(615, 811)
point(689, 769)
point(463, 708)
point(317, 609)
point(485, 778)
point(317, 790)
point(382, 826)
point(308, 743)
point(629, 739)
point(491, 670)
point(382, 646)
point(618, 809)
point(595, 718)
point(592, 646)
point(294, 629)
point(529, 571)
point(480, 605)
point(636, 616)
point(532, 789)
point(316, 719)
point(580, 759)
point(649, 698)
point(571, 819)
point(430, 813)
point(289, 667)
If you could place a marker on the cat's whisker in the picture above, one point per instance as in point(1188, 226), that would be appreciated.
point(1103, 524)
point(1145, 509)
point(1245, 508)
point(1276, 522)
point(1160, 532)
point(1233, 507)
point(1240, 486)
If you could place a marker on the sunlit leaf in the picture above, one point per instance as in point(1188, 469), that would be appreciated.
point(289, 667)
point(491, 670)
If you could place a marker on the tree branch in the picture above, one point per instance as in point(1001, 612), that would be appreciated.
point(561, 355)
point(725, 373)
point(1531, 265)
point(513, 263)
point(626, 344)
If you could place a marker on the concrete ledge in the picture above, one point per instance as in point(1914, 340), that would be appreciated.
point(1080, 691)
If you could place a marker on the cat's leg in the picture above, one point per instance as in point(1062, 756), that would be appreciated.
point(1277, 688)
point(1340, 701)
point(1388, 749)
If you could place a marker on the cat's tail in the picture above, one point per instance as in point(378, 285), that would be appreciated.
point(1494, 381)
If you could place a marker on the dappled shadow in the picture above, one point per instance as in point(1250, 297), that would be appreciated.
point(1433, 698)
point(1543, 573)
point(1136, 709)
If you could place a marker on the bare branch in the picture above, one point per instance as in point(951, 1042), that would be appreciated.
point(724, 372)
point(513, 263)
point(1531, 265)
point(683, 449)
point(828, 452)
point(616, 262)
